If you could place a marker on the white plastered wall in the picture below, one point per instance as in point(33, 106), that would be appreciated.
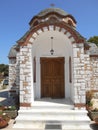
point(62, 48)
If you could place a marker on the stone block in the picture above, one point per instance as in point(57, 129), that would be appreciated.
point(45, 29)
point(39, 31)
point(75, 53)
point(63, 30)
point(82, 56)
point(68, 34)
point(77, 76)
point(51, 27)
point(72, 39)
point(57, 28)
point(76, 60)
point(22, 66)
point(29, 83)
point(81, 45)
point(82, 99)
point(25, 84)
point(77, 84)
point(21, 98)
point(74, 45)
point(31, 40)
point(82, 87)
point(82, 93)
point(74, 80)
point(78, 54)
point(28, 79)
point(21, 84)
point(22, 92)
point(80, 80)
point(82, 51)
point(81, 72)
point(29, 45)
point(24, 49)
point(34, 35)
point(78, 72)
point(21, 58)
point(27, 70)
point(76, 100)
point(28, 63)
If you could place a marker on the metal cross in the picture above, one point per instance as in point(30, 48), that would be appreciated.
point(52, 5)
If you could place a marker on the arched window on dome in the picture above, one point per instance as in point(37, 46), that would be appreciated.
point(53, 19)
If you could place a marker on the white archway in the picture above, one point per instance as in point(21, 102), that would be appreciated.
point(41, 46)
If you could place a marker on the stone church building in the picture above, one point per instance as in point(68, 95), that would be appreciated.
point(52, 60)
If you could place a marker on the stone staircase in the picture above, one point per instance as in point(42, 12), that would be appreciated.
point(52, 116)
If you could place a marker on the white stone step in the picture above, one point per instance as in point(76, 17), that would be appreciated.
point(47, 113)
point(30, 124)
point(65, 126)
point(38, 120)
point(67, 107)
point(53, 111)
point(51, 106)
point(21, 129)
point(76, 127)
point(63, 120)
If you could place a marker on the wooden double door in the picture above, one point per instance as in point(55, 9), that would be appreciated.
point(52, 77)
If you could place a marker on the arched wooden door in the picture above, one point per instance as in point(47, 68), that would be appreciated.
point(52, 77)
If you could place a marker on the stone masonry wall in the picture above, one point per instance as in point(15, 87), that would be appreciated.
point(91, 72)
point(12, 74)
point(94, 75)
point(88, 72)
point(17, 73)
point(78, 74)
point(25, 75)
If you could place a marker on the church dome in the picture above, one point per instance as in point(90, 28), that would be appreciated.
point(58, 13)
point(49, 10)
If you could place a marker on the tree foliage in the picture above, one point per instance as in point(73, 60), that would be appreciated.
point(93, 39)
point(4, 69)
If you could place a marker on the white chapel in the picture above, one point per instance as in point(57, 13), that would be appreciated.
point(52, 60)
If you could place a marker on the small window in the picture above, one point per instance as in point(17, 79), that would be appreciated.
point(70, 70)
point(34, 69)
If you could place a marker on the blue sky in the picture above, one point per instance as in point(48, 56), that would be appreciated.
point(16, 14)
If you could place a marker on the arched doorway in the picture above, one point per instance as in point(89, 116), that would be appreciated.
point(60, 68)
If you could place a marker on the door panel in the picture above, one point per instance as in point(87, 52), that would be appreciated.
point(46, 89)
point(52, 77)
point(58, 89)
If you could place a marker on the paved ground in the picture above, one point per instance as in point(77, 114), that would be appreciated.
point(6, 100)
point(9, 127)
